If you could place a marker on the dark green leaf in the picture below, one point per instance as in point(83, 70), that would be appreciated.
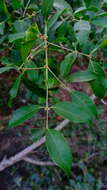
point(22, 114)
point(32, 74)
point(85, 102)
point(95, 68)
point(59, 150)
point(37, 133)
point(98, 87)
point(15, 87)
point(46, 7)
point(87, 2)
point(2, 26)
point(16, 4)
point(26, 48)
point(54, 18)
point(33, 87)
point(67, 63)
point(73, 112)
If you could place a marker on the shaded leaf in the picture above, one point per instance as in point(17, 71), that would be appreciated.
point(15, 87)
point(95, 68)
point(98, 87)
point(33, 87)
point(4, 69)
point(46, 7)
point(22, 114)
point(54, 18)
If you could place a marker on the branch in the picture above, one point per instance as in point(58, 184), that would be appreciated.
point(39, 163)
point(19, 156)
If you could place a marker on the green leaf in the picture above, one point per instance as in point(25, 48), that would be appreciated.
point(85, 102)
point(82, 29)
point(32, 74)
point(82, 25)
point(95, 68)
point(4, 69)
point(22, 114)
point(100, 21)
point(32, 33)
point(103, 44)
point(33, 87)
point(98, 87)
point(87, 2)
point(54, 18)
point(73, 111)
point(59, 150)
point(67, 63)
point(3, 7)
point(46, 7)
point(17, 36)
point(2, 26)
point(15, 87)
point(82, 36)
point(22, 25)
point(62, 4)
point(81, 76)
point(16, 4)
point(26, 48)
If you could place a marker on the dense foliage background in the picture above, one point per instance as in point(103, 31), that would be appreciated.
point(53, 54)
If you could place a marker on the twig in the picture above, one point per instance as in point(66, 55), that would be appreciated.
point(19, 156)
point(26, 8)
point(39, 163)
point(60, 81)
point(70, 50)
point(46, 76)
point(104, 102)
